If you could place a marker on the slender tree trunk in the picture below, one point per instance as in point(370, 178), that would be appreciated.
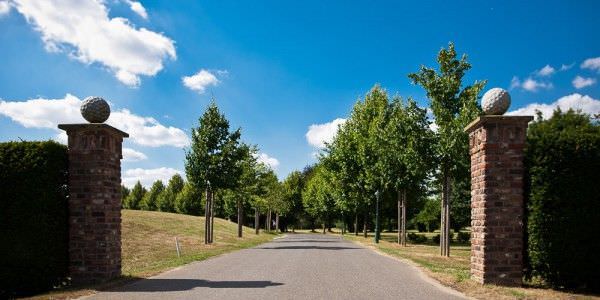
point(445, 216)
point(206, 218)
point(323, 227)
point(256, 220)
point(356, 223)
point(365, 224)
point(240, 217)
point(212, 217)
point(276, 222)
point(270, 220)
point(399, 218)
point(403, 240)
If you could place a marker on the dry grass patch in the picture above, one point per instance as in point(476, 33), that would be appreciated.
point(454, 271)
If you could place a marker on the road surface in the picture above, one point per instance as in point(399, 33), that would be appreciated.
point(299, 266)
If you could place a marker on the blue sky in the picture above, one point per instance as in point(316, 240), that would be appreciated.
point(274, 67)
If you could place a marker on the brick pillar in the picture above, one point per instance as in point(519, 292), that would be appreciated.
point(94, 201)
point(496, 148)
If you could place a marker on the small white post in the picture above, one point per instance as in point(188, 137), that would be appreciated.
point(177, 247)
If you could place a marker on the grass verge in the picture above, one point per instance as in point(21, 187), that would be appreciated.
point(454, 271)
point(148, 246)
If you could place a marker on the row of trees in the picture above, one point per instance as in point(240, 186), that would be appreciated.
point(386, 157)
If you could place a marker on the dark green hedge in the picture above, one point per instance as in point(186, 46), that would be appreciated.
point(33, 217)
point(563, 206)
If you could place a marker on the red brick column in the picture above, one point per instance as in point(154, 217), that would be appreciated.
point(496, 148)
point(94, 201)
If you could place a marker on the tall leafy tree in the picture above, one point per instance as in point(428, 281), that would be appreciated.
point(292, 194)
point(166, 200)
point(212, 162)
point(150, 200)
point(189, 200)
point(453, 107)
point(135, 197)
point(319, 199)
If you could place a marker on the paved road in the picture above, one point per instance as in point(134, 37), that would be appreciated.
point(299, 266)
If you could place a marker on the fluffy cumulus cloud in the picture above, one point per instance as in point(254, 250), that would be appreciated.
point(201, 80)
point(148, 176)
point(591, 63)
point(575, 101)
point(130, 155)
point(83, 30)
point(547, 70)
point(264, 158)
point(4, 7)
point(529, 84)
point(138, 8)
point(319, 134)
point(48, 113)
point(581, 82)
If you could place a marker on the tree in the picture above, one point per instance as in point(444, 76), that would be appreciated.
point(149, 202)
point(292, 195)
point(135, 197)
point(166, 199)
point(318, 198)
point(124, 193)
point(453, 108)
point(212, 162)
point(189, 200)
point(407, 153)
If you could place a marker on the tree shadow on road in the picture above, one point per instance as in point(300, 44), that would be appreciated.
point(172, 285)
point(311, 247)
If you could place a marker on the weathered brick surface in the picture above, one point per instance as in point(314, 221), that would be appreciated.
point(94, 201)
point(496, 148)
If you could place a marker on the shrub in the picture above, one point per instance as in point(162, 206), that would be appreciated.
point(436, 239)
point(33, 217)
point(416, 238)
point(562, 161)
point(463, 237)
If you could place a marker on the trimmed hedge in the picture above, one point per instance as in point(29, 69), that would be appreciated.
point(563, 191)
point(33, 217)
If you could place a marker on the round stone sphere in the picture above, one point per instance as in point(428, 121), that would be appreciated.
point(95, 109)
point(495, 101)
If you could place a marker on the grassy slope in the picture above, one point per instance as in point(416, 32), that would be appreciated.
point(148, 245)
point(455, 270)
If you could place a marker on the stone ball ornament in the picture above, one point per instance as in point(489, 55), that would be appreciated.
point(95, 109)
point(495, 101)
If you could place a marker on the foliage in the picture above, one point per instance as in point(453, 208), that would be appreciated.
point(429, 216)
point(563, 159)
point(189, 200)
point(318, 199)
point(150, 200)
point(214, 155)
point(463, 237)
point(166, 199)
point(124, 194)
point(33, 217)
point(417, 238)
point(134, 199)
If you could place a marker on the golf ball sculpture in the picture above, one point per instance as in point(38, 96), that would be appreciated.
point(495, 101)
point(95, 109)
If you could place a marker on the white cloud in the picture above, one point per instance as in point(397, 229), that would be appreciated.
point(581, 82)
point(48, 113)
point(148, 176)
point(83, 29)
point(200, 81)
point(4, 8)
point(529, 84)
point(319, 134)
point(564, 67)
point(591, 63)
point(138, 8)
point(264, 158)
point(575, 101)
point(131, 155)
point(545, 71)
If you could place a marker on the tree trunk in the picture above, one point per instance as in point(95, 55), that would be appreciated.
point(269, 220)
point(256, 220)
point(206, 218)
point(212, 217)
point(445, 217)
point(399, 218)
point(365, 221)
point(356, 223)
point(276, 222)
point(323, 227)
point(403, 240)
point(240, 217)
